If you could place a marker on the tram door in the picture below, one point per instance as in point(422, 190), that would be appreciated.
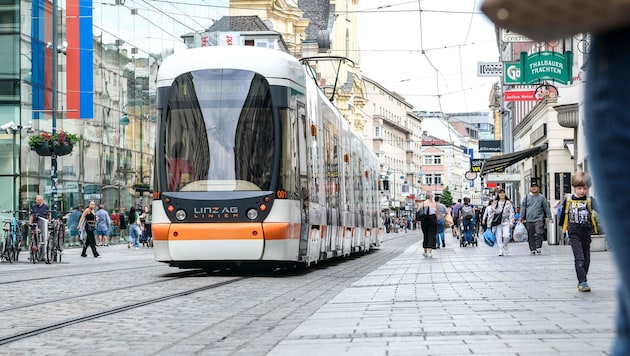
point(303, 134)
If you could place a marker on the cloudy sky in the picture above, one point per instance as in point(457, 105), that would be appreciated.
point(430, 56)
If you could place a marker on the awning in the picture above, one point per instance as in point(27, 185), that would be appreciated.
point(500, 163)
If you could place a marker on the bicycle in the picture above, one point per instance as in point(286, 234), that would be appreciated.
point(34, 242)
point(55, 241)
point(12, 238)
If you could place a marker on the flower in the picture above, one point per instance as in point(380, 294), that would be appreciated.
point(60, 138)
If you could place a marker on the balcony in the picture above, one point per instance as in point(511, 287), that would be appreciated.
point(568, 115)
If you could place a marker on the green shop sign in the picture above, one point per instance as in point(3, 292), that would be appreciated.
point(546, 65)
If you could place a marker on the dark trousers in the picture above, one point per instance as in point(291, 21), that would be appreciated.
point(535, 231)
point(89, 241)
point(581, 245)
point(429, 231)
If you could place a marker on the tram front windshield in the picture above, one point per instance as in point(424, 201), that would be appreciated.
point(219, 132)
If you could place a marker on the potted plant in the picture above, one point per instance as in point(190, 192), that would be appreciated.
point(45, 144)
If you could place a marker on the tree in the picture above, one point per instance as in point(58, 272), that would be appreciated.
point(446, 198)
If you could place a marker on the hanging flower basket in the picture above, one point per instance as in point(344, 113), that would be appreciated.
point(62, 149)
point(61, 143)
point(43, 149)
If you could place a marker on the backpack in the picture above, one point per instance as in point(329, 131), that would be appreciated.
point(467, 212)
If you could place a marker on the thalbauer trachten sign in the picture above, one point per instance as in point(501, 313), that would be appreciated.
point(546, 65)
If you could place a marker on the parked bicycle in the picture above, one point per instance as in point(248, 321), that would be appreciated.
point(12, 240)
point(35, 243)
point(56, 240)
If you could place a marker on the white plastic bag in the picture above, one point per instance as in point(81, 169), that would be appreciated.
point(520, 232)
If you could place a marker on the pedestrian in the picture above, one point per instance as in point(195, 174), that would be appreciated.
point(578, 221)
point(606, 116)
point(534, 210)
point(115, 230)
point(484, 215)
point(88, 224)
point(123, 225)
point(146, 219)
point(428, 224)
point(501, 221)
point(134, 229)
point(103, 224)
point(73, 226)
point(467, 217)
point(455, 213)
point(39, 210)
point(441, 217)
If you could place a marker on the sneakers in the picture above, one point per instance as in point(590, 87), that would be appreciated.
point(500, 252)
point(424, 254)
point(128, 245)
point(538, 251)
point(583, 287)
point(533, 252)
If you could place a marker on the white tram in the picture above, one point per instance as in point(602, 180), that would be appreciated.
point(255, 165)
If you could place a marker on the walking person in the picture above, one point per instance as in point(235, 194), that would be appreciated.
point(73, 226)
point(466, 216)
point(455, 214)
point(441, 217)
point(122, 225)
point(428, 224)
point(103, 224)
point(501, 221)
point(579, 222)
point(134, 229)
point(534, 210)
point(88, 224)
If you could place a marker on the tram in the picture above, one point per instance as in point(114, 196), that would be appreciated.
point(254, 165)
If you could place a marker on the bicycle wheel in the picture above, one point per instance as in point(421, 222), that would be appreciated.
point(50, 251)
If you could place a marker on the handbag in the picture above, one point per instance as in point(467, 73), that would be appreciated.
point(488, 238)
point(422, 213)
point(448, 221)
point(90, 226)
point(497, 219)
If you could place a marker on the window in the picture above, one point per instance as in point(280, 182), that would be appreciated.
point(432, 160)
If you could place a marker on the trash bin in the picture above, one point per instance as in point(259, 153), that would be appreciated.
point(552, 238)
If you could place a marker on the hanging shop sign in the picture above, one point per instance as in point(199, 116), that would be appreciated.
point(520, 95)
point(546, 65)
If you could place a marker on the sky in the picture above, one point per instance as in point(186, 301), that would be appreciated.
point(429, 57)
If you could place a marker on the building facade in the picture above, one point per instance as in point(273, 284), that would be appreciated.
point(102, 89)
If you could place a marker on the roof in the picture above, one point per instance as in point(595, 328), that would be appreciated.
point(239, 24)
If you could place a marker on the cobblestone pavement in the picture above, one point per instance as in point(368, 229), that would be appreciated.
point(466, 301)
point(391, 301)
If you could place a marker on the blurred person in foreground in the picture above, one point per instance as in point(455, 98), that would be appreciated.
point(606, 115)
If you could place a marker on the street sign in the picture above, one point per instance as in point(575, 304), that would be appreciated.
point(509, 36)
point(503, 177)
point(476, 164)
point(546, 65)
point(489, 69)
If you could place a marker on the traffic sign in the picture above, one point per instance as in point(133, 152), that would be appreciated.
point(489, 69)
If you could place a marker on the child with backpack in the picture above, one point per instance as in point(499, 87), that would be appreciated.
point(579, 223)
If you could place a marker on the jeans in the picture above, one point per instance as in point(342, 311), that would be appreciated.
point(440, 233)
point(134, 236)
point(581, 246)
point(468, 229)
point(607, 123)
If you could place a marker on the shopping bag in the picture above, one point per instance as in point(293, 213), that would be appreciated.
point(488, 238)
point(448, 221)
point(520, 232)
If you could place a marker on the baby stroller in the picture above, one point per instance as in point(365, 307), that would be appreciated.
point(469, 238)
point(146, 238)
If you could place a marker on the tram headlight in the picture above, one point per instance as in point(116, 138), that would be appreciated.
point(180, 215)
point(252, 214)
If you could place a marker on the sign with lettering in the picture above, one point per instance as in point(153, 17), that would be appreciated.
point(512, 73)
point(489, 69)
point(546, 65)
point(520, 95)
point(476, 164)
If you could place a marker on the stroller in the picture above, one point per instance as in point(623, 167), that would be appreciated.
point(469, 238)
point(146, 239)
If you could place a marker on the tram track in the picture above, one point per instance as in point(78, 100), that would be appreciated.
point(110, 311)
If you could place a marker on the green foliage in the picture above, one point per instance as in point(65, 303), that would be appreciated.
point(600, 223)
point(446, 198)
point(60, 137)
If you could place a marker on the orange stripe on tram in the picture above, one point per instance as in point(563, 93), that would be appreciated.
point(281, 231)
point(183, 232)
